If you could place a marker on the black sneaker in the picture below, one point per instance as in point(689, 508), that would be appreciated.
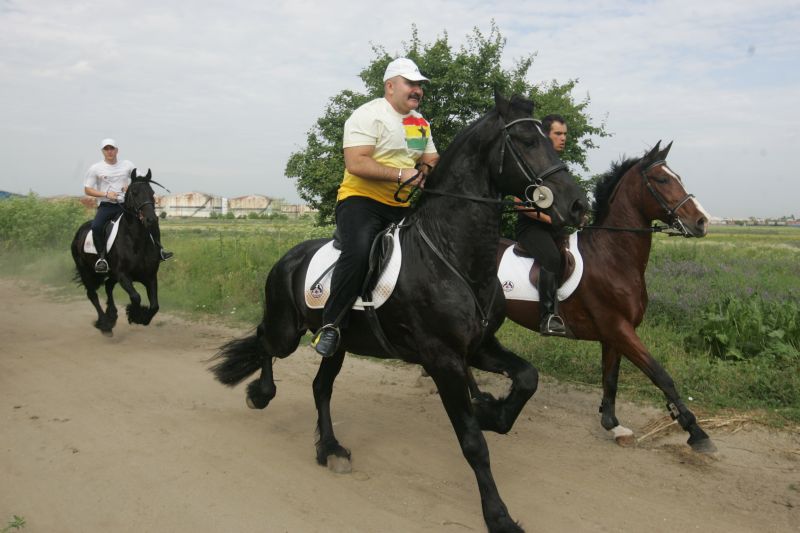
point(101, 266)
point(326, 341)
point(552, 326)
point(165, 254)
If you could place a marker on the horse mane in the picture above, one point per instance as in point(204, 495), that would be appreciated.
point(607, 183)
point(517, 102)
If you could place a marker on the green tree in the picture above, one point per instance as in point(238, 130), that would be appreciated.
point(461, 90)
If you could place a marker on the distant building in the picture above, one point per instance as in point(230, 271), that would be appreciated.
point(190, 204)
point(296, 210)
point(253, 203)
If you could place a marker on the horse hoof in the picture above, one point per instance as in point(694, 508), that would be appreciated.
point(623, 436)
point(339, 465)
point(703, 446)
point(260, 404)
point(108, 333)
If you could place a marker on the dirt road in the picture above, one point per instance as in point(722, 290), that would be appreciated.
point(131, 433)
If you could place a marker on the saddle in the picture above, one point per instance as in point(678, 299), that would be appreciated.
point(383, 270)
point(567, 260)
point(379, 255)
point(110, 230)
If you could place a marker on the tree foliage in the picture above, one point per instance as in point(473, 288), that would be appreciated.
point(461, 90)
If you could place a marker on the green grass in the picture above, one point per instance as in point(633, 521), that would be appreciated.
point(17, 522)
point(747, 275)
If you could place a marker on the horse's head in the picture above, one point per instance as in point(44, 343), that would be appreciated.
point(529, 167)
point(668, 200)
point(140, 200)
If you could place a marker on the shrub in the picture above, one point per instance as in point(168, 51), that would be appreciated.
point(744, 328)
point(30, 222)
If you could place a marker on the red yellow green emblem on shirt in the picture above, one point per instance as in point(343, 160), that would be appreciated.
point(417, 132)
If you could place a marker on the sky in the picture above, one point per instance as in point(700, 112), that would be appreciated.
point(214, 96)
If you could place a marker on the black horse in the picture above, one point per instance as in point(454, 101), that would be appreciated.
point(134, 256)
point(448, 303)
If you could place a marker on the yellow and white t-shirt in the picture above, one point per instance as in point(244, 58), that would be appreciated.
point(399, 141)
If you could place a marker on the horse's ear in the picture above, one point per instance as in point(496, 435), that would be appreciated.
point(650, 157)
point(149, 175)
point(133, 174)
point(501, 104)
point(662, 155)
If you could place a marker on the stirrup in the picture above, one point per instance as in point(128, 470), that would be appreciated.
point(326, 340)
point(165, 254)
point(101, 266)
point(553, 326)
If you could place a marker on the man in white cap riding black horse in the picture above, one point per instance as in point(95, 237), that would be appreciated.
point(107, 180)
point(385, 141)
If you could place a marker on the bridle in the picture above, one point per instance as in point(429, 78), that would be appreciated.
point(672, 212)
point(675, 224)
point(535, 179)
point(137, 209)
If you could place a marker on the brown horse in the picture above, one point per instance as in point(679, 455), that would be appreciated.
point(610, 301)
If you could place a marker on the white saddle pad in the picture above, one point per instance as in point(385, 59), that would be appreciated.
point(88, 244)
point(318, 290)
point(514, 271)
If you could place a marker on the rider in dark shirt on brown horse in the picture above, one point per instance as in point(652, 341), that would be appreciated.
point(536, 235)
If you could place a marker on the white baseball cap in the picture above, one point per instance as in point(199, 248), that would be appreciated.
point(108, 142)
point(402, 66)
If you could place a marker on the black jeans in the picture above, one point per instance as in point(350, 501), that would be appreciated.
point(538, 239)
point(105, 212)
point(358, 220)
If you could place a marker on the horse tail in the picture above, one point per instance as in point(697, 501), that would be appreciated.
point(238, 359)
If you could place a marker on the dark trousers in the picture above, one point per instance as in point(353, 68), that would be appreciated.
point(538, 239)
point(105, 212)
point(358, 221)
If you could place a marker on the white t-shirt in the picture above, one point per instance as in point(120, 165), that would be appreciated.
point(399, 141)
point(104, 177)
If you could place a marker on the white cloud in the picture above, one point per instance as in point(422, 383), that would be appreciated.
point(215, 95)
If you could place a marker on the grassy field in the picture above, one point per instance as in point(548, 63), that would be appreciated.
point(723, 316)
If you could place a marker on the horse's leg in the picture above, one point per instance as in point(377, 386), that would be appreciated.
point(152, 300)
point(608, 416)
point(329, 451)
point(111, 308)
point(450, 377)
point(499, 415)
point(134, 310)
point(630, 345)
point(102, 323)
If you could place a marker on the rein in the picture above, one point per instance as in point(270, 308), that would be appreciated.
point(454, 270)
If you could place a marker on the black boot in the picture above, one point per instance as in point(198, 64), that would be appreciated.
point(165, 254)
point(326, 341)
point(550, 324)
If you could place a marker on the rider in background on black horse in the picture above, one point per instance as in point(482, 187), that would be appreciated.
point(384, 141)
point(536, 235)
point(108, 180)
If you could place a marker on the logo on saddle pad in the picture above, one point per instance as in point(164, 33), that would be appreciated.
point(88, 244)
point(514, 274)
point(318, 276)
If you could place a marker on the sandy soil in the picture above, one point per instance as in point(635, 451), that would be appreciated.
point(131, 433)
